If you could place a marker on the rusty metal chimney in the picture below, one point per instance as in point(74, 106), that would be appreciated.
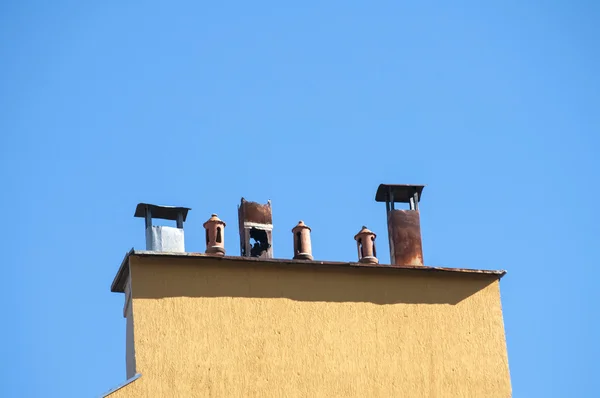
point(256, 227)
point(404, 226)
point(162, 238)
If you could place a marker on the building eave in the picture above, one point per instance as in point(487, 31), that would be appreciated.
point(124, 384)
point(118, 284)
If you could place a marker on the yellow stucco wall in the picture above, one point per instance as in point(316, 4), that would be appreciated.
point(246, 329)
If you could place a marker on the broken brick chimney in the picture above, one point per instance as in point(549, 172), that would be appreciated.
point(404, 226)
point(256, 227)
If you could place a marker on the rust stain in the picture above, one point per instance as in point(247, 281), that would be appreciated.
point(255, 223)
point(404, 227)
point(255, 212)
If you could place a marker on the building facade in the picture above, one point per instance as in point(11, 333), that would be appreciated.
point(212, 325)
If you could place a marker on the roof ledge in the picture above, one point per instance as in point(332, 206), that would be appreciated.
point(118, 285)
point(124, 384)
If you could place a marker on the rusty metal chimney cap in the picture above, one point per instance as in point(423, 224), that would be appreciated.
point(300, 226)
point(401, 192)
point(364, 231)
point(214, 219)
point(163, 212)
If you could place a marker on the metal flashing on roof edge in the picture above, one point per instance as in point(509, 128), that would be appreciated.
point(119, 280)
point(126, 382)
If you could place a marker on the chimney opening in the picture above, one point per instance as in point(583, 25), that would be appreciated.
point(360, 247)
point(207, 238)
point(219, 238)
point(299, 242)
point(374, 250)
point(259, 242)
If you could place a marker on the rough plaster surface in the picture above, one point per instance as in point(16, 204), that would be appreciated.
point(238, 330)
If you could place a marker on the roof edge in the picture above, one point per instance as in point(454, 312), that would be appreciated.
point(118, 284)
point(125, 383)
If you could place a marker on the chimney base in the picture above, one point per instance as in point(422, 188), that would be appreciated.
point(216, 251)
point(369, 260)
point(303, 256)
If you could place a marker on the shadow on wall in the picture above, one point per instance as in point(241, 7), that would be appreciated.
point(160, 278)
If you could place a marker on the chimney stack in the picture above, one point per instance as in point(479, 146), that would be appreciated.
point(302, 245)
point(365, 242)
point(215, 235)
point(404, 226)
point(160, 238)
point(256, 227)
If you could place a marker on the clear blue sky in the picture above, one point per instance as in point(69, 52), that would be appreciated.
point(494, 105)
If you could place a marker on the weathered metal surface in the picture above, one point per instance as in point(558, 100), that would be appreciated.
point(160, 238)
point(404, 228)
point(256, 225)
point(163, 212)
point(165, 239)
point(120, 279)
point(397, 193)
point(255, 212)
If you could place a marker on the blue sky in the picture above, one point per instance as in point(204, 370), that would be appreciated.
point(494, 105)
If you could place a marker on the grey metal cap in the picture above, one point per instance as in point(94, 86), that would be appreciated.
point(163, 212)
